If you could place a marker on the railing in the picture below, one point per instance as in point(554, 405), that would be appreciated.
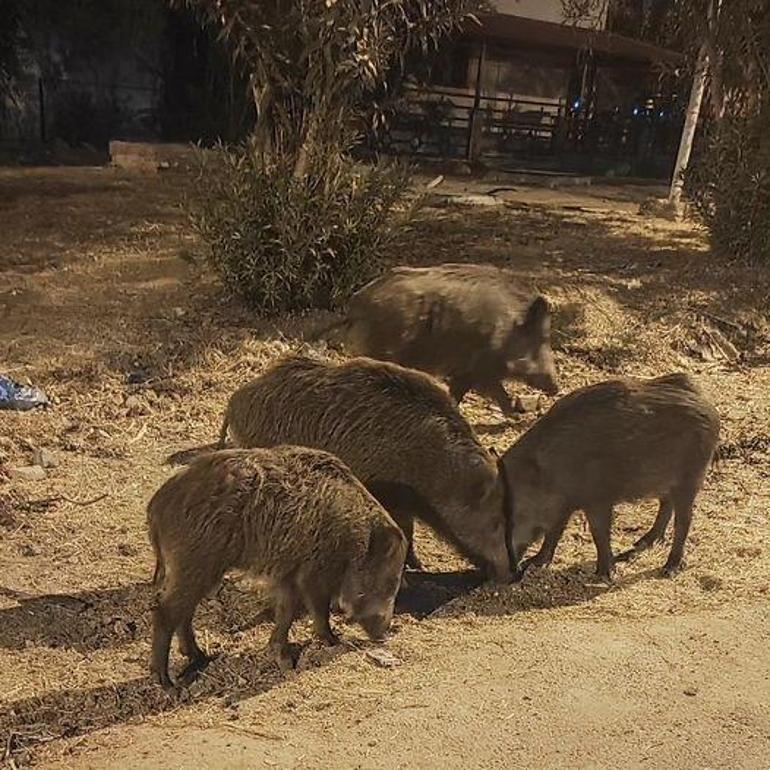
point(437, 122)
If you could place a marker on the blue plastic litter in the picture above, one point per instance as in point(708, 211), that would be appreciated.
point(14, 395)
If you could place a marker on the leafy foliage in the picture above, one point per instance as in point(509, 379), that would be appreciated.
point(283, 244)
point(728, 180)
point(728, 183)
point(290, 221)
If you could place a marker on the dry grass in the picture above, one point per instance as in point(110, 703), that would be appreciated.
point(94, 290)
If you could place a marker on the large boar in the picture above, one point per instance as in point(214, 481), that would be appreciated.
point(620, 440)
point(469, 324)
point(294, 517)
point(398, 431)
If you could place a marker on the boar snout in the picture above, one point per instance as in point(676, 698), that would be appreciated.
point(376, 626)
point(498, 571)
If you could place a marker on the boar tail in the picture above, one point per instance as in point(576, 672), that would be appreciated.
point(160, 567)
point(223, 431)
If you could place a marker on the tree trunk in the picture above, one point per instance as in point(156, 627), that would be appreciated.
point(715, 61)
point(263, 103)
point(306, 148)
point(688, 132)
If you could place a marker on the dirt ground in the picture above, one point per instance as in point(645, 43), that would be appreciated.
point(96, 285)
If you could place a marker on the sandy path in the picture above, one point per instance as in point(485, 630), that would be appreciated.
point(691, 693)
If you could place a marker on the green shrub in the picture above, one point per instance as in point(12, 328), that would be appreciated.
point(728, 183)
point(284, 243)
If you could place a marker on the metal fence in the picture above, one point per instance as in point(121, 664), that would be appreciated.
point(77, 111)
point(438, 123)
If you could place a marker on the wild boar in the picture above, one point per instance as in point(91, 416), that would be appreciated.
point(294, 517)
point(620, 440)
point(399, 433)
point(469, 324)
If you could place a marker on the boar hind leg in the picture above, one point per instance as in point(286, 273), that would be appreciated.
point(402, 504)
point(188, 646)
point(500, 396)
point(174, 611)
point(655, 535)
point(458, 387)
point(683, 501)
point(317, 602)
point(406, 523)
point(600, 522)
point(162, 631)
point(285, 610)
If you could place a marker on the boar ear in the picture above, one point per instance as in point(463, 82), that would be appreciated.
point(384, 541)
point(538, 317)
point(494, 453)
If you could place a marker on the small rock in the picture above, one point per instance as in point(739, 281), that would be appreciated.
point(28, 550)
point(135, 406)
point(659, 207)
point(383, 658)
point(691, 691)
point(29, 473)
point(178, 312)
point(527, 403)
point(126, 549)
point(138, 377)
point(44, 458)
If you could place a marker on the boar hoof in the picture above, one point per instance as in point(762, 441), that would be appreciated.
point(414, 563)
point(284, 660)
point(193, 668)
point(533, 562)
point(606, 576)
point(671, 570)
point(164, 680)
point(329, 638)
point(628, 556)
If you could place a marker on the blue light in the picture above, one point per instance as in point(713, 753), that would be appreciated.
point(636, 111)
point(661, 114)
point(576, 104)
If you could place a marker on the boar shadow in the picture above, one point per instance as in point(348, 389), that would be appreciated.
point(426, 592)
point(542, 589)
point(112, 617)
point(30, 722)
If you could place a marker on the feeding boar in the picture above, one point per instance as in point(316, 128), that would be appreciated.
point(296, 518)
point(399, 433)
point(469, 324)
point(620, 440)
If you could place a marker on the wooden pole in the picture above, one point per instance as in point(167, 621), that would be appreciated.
point(41, 102)
point(474, 124)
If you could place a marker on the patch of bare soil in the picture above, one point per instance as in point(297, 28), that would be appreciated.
point(100, 307)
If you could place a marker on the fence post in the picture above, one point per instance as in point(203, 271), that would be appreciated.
point(41, 101)
point(474, 124)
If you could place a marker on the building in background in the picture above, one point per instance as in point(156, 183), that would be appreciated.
point(524, 89)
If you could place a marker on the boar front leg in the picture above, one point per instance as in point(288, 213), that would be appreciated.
point(600, 522)
point(552, 538)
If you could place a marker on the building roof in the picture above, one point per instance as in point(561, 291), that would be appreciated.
point(533, 33)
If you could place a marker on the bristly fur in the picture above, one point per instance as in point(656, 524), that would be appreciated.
point(295, 517)
point(396, 429)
